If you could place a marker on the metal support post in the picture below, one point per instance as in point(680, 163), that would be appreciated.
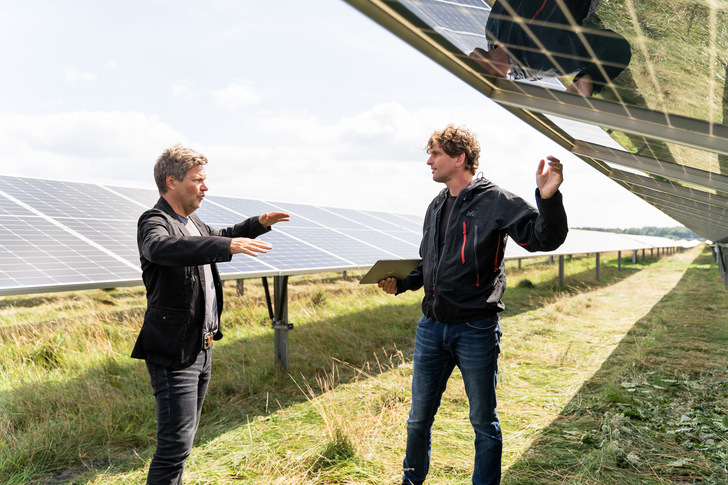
point(278, 312)
point(561, 270)
point(619, 260)
point(598, 265)
point(281, 326)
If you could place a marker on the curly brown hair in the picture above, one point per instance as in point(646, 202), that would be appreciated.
point(456, 140)
point(175, 161)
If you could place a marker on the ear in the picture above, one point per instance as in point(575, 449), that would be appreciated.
point(170, 181)
point(460, 160)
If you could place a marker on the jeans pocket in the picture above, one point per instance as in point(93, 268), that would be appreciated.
point(484, 324)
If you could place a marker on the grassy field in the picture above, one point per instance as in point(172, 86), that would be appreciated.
point(619, 381)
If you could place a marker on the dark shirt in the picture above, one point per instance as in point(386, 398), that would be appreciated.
point(444, 218)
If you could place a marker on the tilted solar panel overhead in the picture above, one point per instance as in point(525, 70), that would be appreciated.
point(635, 88)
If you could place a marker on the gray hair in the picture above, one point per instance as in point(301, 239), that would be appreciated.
point(175, 161)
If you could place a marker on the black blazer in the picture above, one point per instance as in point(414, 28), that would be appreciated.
point(171, 334)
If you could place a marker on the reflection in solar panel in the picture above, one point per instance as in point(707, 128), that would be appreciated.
point(658, 126)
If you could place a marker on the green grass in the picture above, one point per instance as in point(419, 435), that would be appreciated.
point(614, 381)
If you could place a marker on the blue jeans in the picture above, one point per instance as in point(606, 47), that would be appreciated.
point(439, 347)
point(179, 394)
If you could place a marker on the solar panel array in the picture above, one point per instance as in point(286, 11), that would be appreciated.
point(64, 236)
point(658, 129)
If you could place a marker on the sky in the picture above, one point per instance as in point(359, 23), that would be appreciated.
point(291, 101)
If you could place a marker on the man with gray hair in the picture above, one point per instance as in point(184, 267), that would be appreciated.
point(178, 255)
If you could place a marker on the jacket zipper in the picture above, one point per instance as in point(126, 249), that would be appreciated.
point(465, 238)
point(475, 256)
point(475, 252)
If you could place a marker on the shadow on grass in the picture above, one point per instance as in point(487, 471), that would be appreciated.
point(106, 415)
point(657, 409)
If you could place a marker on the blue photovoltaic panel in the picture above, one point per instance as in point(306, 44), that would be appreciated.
point(35, 253)
point(67, 199)
point(244, 207)
point(63, 235)
point(144, 198)
point(118, 236)
point(10, 208)
point(394, 242)
point(318, 216)
point(372, 220)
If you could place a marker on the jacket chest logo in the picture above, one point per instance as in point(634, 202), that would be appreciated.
point(471, 213)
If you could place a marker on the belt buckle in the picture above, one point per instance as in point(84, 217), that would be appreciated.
point(207, 341)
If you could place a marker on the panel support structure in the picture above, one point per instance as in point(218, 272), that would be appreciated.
point(278, 312)
point(281, 325)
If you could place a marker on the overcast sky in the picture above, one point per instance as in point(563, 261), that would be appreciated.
point(291, 101)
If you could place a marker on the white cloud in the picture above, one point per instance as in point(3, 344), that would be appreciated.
point(73, 75)
point(182, 89)
point(88, 146)
point(370, 160)
point(235, 96)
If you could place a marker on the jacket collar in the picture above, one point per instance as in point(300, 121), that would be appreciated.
point(476, 185)
point(164, 206)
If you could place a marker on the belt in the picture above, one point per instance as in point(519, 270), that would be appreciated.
point(207, 341)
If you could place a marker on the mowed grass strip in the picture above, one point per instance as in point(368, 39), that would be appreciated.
point(568, 394)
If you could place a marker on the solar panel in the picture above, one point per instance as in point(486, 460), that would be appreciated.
point(657, 128)
point(58, 235)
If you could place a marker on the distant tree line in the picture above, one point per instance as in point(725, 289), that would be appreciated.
point(679, 232)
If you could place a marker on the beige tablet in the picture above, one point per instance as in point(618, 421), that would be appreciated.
point(384, 268)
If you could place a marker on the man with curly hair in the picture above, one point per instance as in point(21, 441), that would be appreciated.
point(463, 274)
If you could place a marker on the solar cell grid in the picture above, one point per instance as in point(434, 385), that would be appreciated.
point(65, 199)
point(117, 236)
point(340, 244)
point(394, 242)
point(317, 216)
point(371, 220)
point(245, 207)
point(143, 198)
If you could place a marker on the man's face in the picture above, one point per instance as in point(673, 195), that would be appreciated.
point(443, 166)
point(189, 192)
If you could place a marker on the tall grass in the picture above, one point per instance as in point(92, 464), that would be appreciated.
point(76, 409)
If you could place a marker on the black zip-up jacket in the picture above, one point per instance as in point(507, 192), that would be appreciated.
point(171, 334)
point(467, 281)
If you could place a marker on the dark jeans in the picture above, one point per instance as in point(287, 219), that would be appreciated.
point(179, 394)
point(439, 347)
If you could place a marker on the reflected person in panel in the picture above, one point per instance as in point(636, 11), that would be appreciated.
point(178, 255)
point(514, 51)
point(465, 231)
